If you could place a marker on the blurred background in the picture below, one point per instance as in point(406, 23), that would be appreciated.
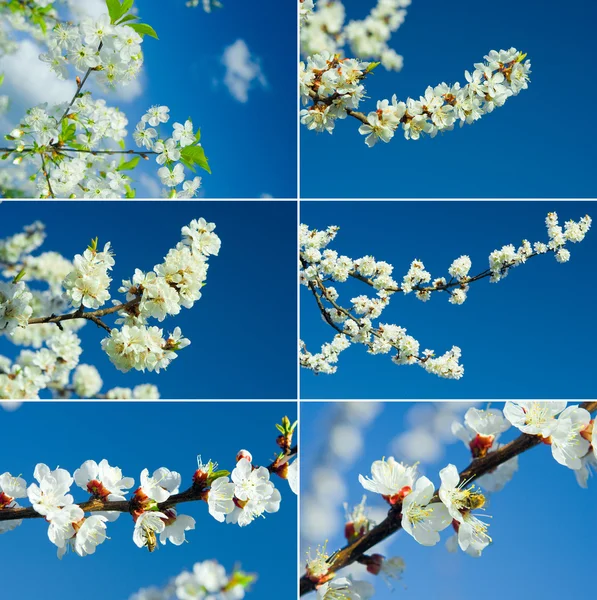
point(233, 72)
point(527, 336)
point(242, 330)
point(531, 147)
point(539, 522)
point(135, 437)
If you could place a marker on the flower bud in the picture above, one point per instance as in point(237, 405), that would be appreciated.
point(244, 454)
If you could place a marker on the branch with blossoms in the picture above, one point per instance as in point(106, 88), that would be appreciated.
point(37, 318)
point(423, 513)
point(332, 86)
point(355, 324)
point(77, 148)
point(236, 497)
point(207, 579)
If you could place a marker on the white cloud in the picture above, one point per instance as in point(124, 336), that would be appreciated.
point(242, 70)
point(31, 80)
point(152, 188)
point(88, 8)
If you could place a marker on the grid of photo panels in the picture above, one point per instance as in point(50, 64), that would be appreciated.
point(296, 300)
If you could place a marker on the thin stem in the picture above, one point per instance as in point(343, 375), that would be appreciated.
point(480, 466)
point(45, 172)
point(139, 152)
point(94, 316)
point(79, 88)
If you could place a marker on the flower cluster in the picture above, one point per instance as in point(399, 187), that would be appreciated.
point(568, 430)
point(324, 30)
point(238, 497)
point(113, 50)
point(333, 87)
point(355, 325)
point(174, 284)
point(87, 284)
point(183, 145)
point(207, 579)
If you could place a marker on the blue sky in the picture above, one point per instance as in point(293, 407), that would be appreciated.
point(134, 439)
point(251, 144)
point(539, 524)
point(242, 330)
point(524, 149)
point(528, 336)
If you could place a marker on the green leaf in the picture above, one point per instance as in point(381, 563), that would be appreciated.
point(127, 18)
point(19, 276)
point(129, 165)
point(130, 192)
point(198, 135)
point(2, 79)
point(144, 29)
point(114, 10)
point(372, 66)
point(39, 20)
point(195, 155)
point(68, 131)
point(126, 6)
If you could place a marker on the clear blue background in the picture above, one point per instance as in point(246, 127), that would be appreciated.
point(242, 330)
point(530, 335)
point(252, 146)
point(540, 522)
point(158, 434)
point(535, 146)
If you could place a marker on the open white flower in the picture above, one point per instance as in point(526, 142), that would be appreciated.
point(13, 487)
point(250, 484)
point(392, 479)
point(534, 418)
point(345, 588)
point(148, 524)
point(567, 445)
point(89, 533)
point(220, 499)
point(481, 429)
point(102, 480)
point(457, 499)
point(423, 520)
point(176, 526)
point(52, 492)
point(472, 535)
point(62, 524)
point(161, 485)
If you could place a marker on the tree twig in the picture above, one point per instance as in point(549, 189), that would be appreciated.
point(94, 316)
point(193, 494)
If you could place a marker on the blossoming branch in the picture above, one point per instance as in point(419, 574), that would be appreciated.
point(355, 324)
point(422, 512)
point(332, 85)
point(30, 317)
point(236, 497)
